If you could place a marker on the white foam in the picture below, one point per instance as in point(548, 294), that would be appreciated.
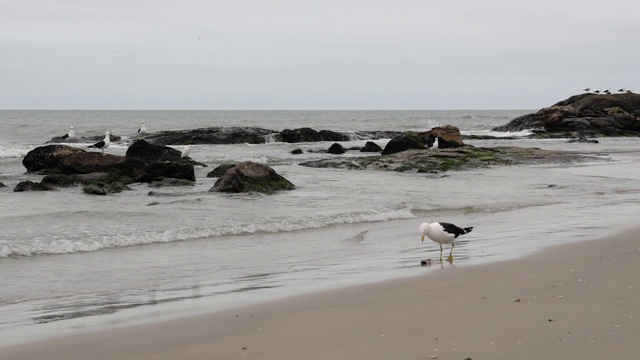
point(14, 152)
point(70, 243)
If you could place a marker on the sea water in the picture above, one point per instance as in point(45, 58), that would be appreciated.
point(71, 262)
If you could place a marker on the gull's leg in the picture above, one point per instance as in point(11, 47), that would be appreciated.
point(440, 253)
point(450, 258)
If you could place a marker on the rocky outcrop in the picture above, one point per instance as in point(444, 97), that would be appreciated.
point(47, 157)
point(104, 188)
point(251, 177)
point(214, 135)
point(448, 136)
point(442, 160)
point(310, 135)
point(590, 114)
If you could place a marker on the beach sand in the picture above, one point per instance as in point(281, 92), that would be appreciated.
point(574, 301)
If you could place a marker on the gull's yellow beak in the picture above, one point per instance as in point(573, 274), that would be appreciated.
point(422, 238)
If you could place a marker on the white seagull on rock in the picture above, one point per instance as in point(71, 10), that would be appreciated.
point(143, 130)
point(185, 151)
point(443, 233)
point(102, 144)
point(71, 135)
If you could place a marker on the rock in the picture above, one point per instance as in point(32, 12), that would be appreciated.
point(310, 135)
point(59, 180)
point(162, 182)
point(2, 185)
point(47, 157)
point(448, 137)
point(606, 115)
point(104, 188)
point(88, 139)
point(296, 152)
point(32, 186)
point(406, 141)
point(336, 148)
point(249, 177)
point(220, 170)
point(213, 135)
point(370, 146)
point(90, 162)
point(168, 169)
point(149, 153)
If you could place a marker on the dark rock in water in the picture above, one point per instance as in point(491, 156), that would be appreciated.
point(92, 177)
point(88, 139)
point(32, 186)
point(162, 182)
point(2, 185)
point(151, 152)
point(213, 135)
point(47, 157)
point(59, 180)
point(90, 162)
point(168, 169)
point(251, 177)
point(104, 188)
point(448, 137)
point(606, 115)
point(296, 152)
point(336, 148)
point(370, 146)
point(310, 135)
point(220, 170)
point(406, 141)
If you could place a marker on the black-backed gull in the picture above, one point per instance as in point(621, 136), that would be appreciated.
point(443, 233)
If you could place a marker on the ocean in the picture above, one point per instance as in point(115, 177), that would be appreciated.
point(71, 262)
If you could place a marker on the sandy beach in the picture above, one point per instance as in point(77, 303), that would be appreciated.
point(575, 301)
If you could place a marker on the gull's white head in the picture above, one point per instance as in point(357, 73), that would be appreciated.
point(424, 229)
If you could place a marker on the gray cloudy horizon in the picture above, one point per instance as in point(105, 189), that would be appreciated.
point(284, 54)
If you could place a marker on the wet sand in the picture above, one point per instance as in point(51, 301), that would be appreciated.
point(574, 301)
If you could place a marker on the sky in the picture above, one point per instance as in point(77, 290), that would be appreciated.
point(308, 54)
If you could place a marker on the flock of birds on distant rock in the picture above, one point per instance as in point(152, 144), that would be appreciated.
point(103, 144)
point(608, 92)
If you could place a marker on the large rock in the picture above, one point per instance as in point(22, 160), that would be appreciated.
point(448, 136)
point(213, 135)
point(91, 162)
point(149, 153)
point(594, 114)
point(406, 141)
point(48, 157)
point(251, 177)
point(310, 135)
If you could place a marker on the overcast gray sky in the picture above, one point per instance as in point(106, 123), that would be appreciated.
point(308, 54)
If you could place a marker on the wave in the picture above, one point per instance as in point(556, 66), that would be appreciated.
point(479, 209)
point(87, 242)
point(14, 152)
